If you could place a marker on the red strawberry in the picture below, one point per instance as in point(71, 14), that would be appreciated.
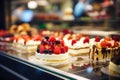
point(63, 50)
point(42, 48)
point(66, 48)
point(116, 44)
point(73, 42)
point(56, 50)
point(62, 42)
point(36, 38)
point(97, 39)
point(103, 44)
point(108, 38)
point(12, 39)
point(108, 44)
point(86, 40)
point(52, 39)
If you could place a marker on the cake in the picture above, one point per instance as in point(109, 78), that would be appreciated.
point(26, 44)
point(114, 65)
point(6, 40)
point(103, 49)
point(52, 52)
point(78, 45)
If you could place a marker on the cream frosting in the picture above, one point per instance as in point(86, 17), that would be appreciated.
point(52, 56)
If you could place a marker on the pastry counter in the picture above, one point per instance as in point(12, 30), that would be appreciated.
point(18, 67)
point(18, 63)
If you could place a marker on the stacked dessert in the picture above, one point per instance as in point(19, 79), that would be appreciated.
point(102, 49)
point(26, 44)
point(78, 45)
point(52, 51)
point(6, 40)
point(114, 65)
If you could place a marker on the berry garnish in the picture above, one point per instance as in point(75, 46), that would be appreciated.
point(97, 39)
point(57, 42)
point(63, 50)
point(52, 39)
point(43, 42)
point(103, 44)
point(86, 40)
point(46, 51)
point(42, 48)
point(62, 42)
point(116, 38)
point(57, 50)
point(116, 44)
point(36, 38)
point(66, 48)
point(108, 44)
point(73, 42)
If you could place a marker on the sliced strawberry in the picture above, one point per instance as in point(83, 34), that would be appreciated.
point(52, 39)
point(37, 38)
point(63, 50)
point(86, 40)
point(57, 50)
point(73, 42)
point(97, 39)
point(116, 38)
point(42, 48)
point(66, 48)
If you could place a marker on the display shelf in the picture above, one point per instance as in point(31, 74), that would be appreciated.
point(23, 69)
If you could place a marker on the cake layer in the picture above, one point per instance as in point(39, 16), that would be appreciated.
point(52, 57)
point(79, 51)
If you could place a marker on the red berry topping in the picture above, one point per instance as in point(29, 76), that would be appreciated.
point(52, 39)
point(42, 48)
point(63, 50)
point(103, 44)
point(116, 38)
point(116, 44)
point(97, 39)
point(73, 42)
point(86, 40)
point(57, 50)
point(108, 38)
point(66, 48)
point(62, 42)
point(108, 44)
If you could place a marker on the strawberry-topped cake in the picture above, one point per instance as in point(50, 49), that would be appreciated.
point(52, 51)
point(104, 48)
point(78, 45)
point(27, 44)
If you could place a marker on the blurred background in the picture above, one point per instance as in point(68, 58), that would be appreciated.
point(60, 14)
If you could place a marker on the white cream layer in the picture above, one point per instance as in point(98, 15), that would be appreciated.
point(53, 56)
point(79, 51)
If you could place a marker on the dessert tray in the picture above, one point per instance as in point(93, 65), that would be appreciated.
point(105, 70)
